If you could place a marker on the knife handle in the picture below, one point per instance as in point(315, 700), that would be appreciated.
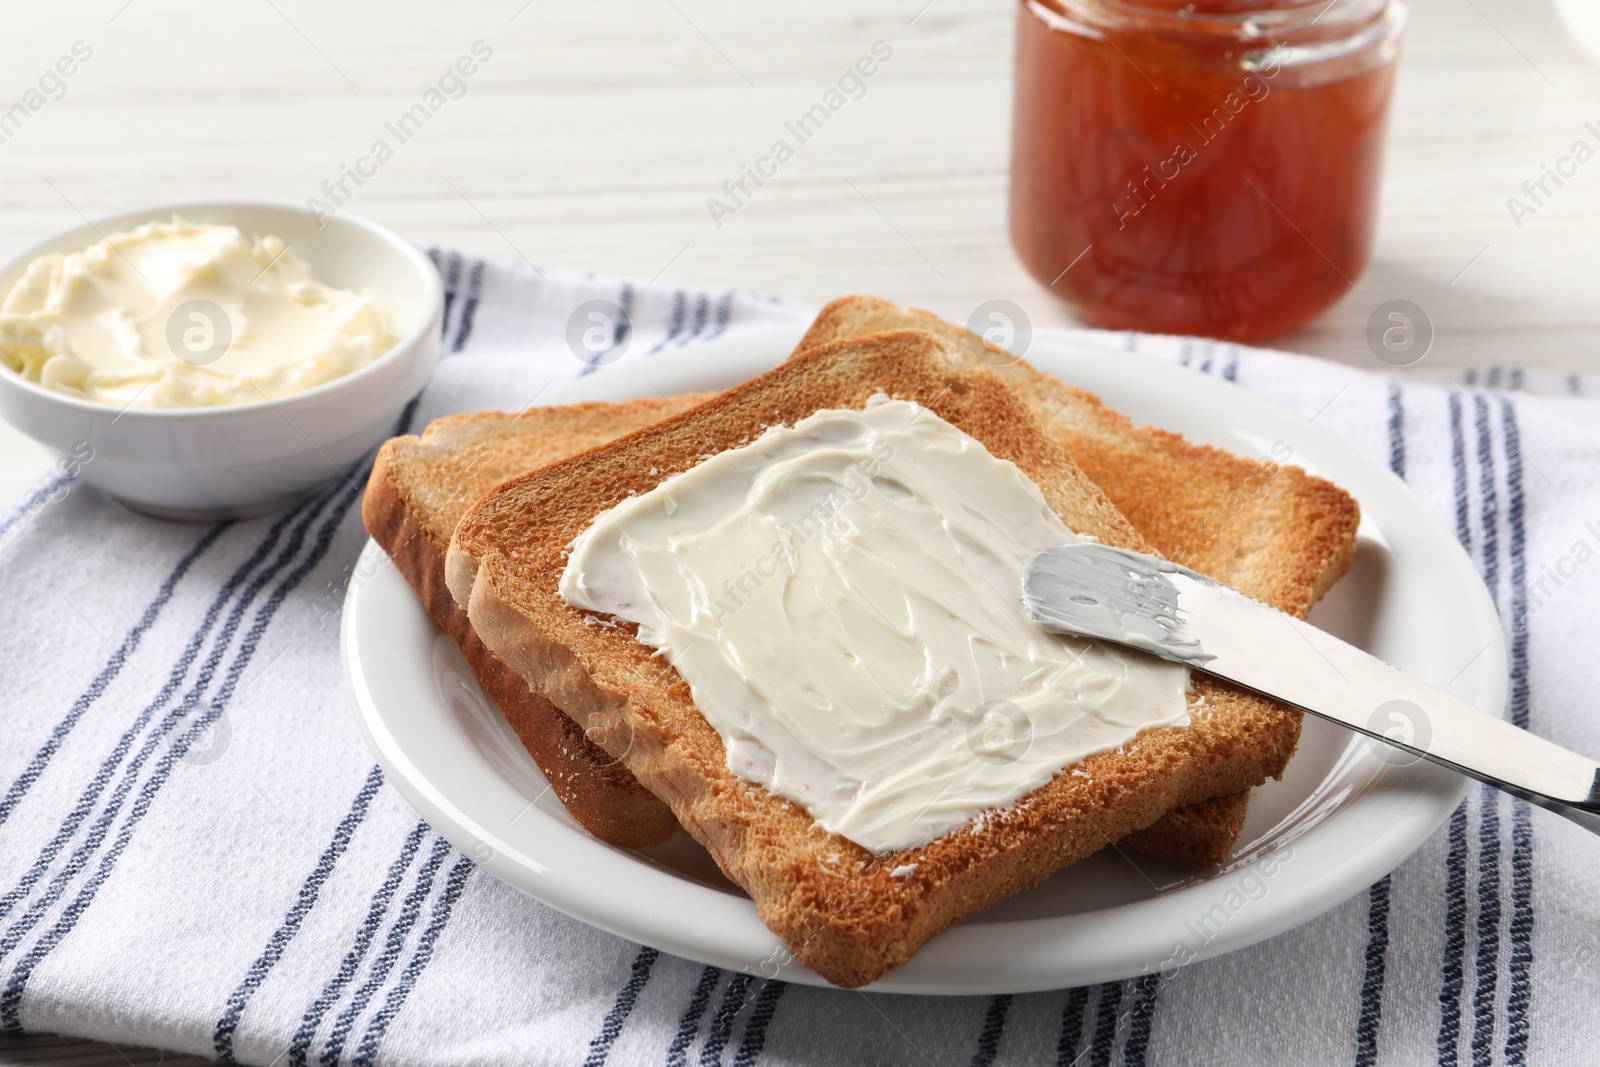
point(1320, 674)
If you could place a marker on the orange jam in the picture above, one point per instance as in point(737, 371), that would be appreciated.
point(1202, 168)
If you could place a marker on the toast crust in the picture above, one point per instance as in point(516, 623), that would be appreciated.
point(1198, 834)
point(419, 488)
point(840, 909)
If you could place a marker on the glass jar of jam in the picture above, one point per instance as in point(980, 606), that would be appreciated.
point(1202, 167)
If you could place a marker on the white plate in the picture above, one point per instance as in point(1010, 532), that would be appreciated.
point(1339, 820)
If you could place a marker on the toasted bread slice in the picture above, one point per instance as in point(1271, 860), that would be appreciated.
point(420, 487)
point(839, 908)
point(1200, 834)
point(1275, 532)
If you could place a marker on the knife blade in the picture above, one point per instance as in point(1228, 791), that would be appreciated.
point(1112, 594)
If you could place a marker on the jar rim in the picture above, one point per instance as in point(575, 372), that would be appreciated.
point(1264, 22)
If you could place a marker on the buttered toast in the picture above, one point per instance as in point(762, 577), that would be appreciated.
point(421, 486)
point(848, 914)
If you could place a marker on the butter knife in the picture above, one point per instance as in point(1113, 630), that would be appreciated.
point(1093, 590)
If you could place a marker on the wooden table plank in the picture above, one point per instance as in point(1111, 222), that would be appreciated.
point(47, 1050)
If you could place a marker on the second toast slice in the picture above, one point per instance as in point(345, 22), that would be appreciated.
point(419, 489)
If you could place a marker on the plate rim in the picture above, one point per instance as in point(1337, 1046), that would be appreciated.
point(1415, 800)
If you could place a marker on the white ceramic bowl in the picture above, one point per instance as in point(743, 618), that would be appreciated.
point(246, 459)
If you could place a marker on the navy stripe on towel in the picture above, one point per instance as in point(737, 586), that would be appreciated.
point(383, 964)
point(438, 265)
point(1371, 1016)
point(755, 1028)
point(1073, 1015)
point(680, 309)
point(32, 502)
point(452, 279)
point(108, 673)
point(724, 313)
point(702, 311)
point(1455, 936)
point(469, 306)
point(722, 1022)
point(1371, 1013)
point(1455, 917)
point(366, 933)
point(1489, 507)
point(1458, 462)
point(1520, 994)
point(689, 1021)
point(228, 1023)
point(1141, 1018)
point(1106, 1018)
point(1397, 431)
point(994, 1025)
point(621, 1008)
point(1487, 959)
point(438, 919)
point(621, 331)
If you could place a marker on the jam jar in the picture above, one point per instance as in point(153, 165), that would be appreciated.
point(1207, 167)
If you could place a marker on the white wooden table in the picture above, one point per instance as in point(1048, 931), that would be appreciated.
point(594, 135)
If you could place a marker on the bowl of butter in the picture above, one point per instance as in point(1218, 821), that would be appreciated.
point(216, 359)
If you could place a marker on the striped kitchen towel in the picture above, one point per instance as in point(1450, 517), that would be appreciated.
point(197, 853)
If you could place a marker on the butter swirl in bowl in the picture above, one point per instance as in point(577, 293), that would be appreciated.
point(179, 314)
point(216, 359)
